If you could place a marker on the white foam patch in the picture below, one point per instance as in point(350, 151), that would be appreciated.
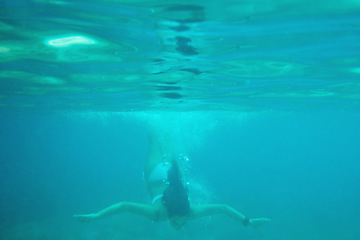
point(68, 41)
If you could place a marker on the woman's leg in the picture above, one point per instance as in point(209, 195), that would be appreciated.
point(155, 155)
point(155, 173)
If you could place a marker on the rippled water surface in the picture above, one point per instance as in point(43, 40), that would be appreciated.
point(179, 55)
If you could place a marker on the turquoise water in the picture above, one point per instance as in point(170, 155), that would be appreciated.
point(179, 55)
point(262, 97)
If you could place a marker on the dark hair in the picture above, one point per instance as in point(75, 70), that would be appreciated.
point(175, 198)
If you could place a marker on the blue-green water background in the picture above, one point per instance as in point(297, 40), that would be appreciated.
point(301, 170)
point(262, 96)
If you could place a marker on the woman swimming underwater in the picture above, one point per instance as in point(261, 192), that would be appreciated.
point(169, 196)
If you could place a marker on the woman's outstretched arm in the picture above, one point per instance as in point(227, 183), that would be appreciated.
point(143, 210)
point(209, 210)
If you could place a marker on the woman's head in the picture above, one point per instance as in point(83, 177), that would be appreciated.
point(175, 198)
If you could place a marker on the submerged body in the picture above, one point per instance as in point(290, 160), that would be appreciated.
point(169, 196)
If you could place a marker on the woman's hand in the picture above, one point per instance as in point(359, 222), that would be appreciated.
point(258, 222)
point(85, 217)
